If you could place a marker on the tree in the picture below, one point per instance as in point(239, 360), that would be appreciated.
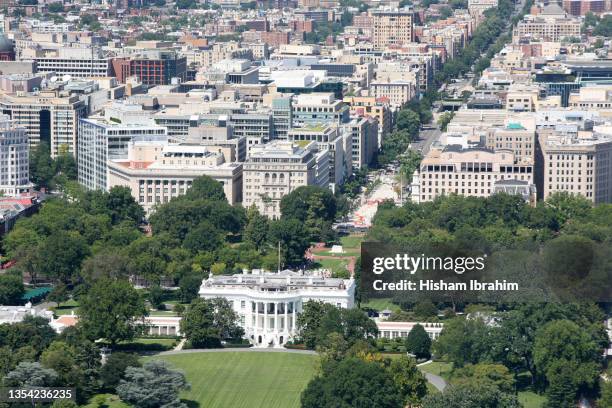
point(410, 381)
point(568, 206)
point(293, 241)
point(123, 207)
point(113, 370)
point(606, 395)
point(61, 358)
point(204, 237)
point(42, 167)
point(308, 201)
point(352, 383)
point(318, 320)
point(315, 207)
point(409, 121)
point(106, 264)
point(156, 297)
point(444, 120)
point(112, 310)
point(256, 231)
point(11, 289)
point(153, 385)
point(189, 287)
point(309, 321)
point(463, 341)
point(562, 389)
point(28, 374)
point(209, 321)
point(495, 375)
point(418, 342)
point(471, 395)
point(60, 255)
point(56, 7)
point(446, 12)
point(205, 188)
point(564, 340)
point(32, 335)
point(425, 309)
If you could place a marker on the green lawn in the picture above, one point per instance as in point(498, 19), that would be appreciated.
point(349, 252)
point(245, 379)
point(152, 340)
point(339, 267)
point(352, 242)
point(162, 313)
point(381, 304)
point(66, 308)
point(440, 368)
point(531, 399)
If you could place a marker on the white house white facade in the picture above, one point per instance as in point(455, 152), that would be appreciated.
point(268, 303)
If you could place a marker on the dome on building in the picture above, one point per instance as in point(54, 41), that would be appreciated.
point(6, 45)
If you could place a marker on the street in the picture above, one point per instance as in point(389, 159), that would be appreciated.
point(426, 139)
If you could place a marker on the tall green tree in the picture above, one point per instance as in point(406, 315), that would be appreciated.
point(153, 385)
point(409, 379)
point(112, 310)
point(209, 321)
point(113, 371)
point(205, 188)
point(293, 242)
point(30, 374)
point(256, 230)
point(418, 342)
point(353, 383)
point(409, 121)
point(11, 289)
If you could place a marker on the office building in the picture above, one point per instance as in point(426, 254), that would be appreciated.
point(469, 172)
point(14, 158)
point(47, 116)
point(579, 163)
point(319, 109)
point(156, 172)
point(104, 138)
point(392, 27)
point(277, 168)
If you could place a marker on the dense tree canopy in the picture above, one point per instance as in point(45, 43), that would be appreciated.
point(209, 321)
point(353, 383)
point(153, 385)
point(111, 310)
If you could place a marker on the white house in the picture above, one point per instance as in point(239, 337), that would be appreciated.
point(268, 303)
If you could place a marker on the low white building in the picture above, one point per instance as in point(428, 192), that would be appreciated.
point(268, 303)
point(392, 330)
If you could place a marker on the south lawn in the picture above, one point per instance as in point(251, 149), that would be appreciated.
point(245, 379)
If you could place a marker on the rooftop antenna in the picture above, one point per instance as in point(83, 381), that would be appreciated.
point(279, 257)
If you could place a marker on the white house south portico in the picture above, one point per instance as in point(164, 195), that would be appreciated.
point(268, 303)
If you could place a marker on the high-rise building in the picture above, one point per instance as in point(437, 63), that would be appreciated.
point(328, 138)
point(156, 172)
point(152, 68)
point(319, 109)
point(47, 117)
point(277, 168)
point(370, 106)
point(468, 172)
point(363, 132)
point(392, 27)
point(104, 138)
point(14, 159)
point(282, 116)
point(579, 163)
